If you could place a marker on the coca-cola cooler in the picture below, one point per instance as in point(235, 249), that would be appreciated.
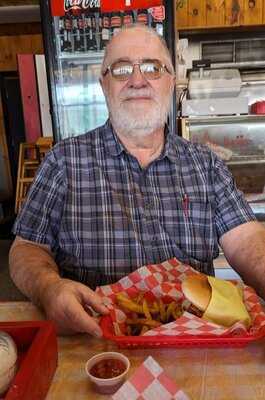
point(75, 34)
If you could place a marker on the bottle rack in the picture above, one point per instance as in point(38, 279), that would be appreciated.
point(87, 33)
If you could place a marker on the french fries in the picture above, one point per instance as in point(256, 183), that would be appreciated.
point(146, 310)
point(143, 315)
point(143, 321)
point(162, 310)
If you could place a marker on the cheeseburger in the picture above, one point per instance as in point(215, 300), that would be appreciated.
point(216, 300)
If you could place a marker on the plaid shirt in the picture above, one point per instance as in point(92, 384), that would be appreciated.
point(104, 216)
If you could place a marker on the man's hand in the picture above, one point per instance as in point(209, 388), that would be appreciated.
point(65, 303)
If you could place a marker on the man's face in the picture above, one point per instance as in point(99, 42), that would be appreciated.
point(137, 106)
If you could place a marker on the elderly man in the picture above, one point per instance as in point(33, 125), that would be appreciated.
point(128, 194)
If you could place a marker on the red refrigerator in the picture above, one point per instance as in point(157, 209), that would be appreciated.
point(75, 34)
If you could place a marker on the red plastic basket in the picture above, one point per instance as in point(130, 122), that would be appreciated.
point(37, 358)
point(175, 341)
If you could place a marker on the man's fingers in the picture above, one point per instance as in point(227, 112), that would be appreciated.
point(81, 321)
point(70, 305)
point(94, 300)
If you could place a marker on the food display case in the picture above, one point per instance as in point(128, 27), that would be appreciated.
point(240, 142)
point(236, 136)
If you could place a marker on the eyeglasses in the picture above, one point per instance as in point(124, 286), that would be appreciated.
point(122, 70)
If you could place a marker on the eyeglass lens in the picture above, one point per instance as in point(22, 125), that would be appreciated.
point(151, 69)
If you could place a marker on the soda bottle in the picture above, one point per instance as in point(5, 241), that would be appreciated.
point(157, 23)
point(88, 31)
point(160, 28)
point(80, 34)
point(61, 33)
point(97, 29)
point(128, 18)
point(68, 34)
point(100, 26)
point(115, 22)
point(149, 17)
point(142, 16)
point(94, 21)
point(75, 29)
point(105, 32)
point(61, 26)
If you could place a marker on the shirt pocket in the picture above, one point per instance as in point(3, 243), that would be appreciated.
point(190, 222)
point(198, 211)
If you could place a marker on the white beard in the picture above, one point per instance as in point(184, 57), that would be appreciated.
point(134, 120)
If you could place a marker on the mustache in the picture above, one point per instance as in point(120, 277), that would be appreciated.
point(134, 94)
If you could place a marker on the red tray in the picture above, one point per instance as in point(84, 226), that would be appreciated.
point(175, 341)
point(37, 359)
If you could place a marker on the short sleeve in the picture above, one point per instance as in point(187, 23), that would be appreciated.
point(40, 217)
point(231, 207)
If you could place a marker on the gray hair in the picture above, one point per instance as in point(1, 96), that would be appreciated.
point(146, 29)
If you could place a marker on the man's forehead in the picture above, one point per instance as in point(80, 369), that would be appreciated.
point(136, 35)
point(134, 43)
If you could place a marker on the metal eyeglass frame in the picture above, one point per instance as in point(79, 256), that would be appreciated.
point(162, 69)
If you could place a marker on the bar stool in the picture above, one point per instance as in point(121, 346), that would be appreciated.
point(30, 157)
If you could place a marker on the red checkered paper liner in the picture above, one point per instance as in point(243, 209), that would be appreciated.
point(149, 382)
point(164, 280)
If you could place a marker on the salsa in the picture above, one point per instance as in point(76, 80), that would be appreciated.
point(108, 368)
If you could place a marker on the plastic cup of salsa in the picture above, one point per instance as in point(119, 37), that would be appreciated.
point(107, 371)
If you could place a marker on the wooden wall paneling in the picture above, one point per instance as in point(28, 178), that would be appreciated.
point(196, 13)
point(17, 2)
point(253, 12)
point(30, 100)
point(5, 173)
point(181, 13)
point(12, 45)
point(215, 12)
point(234, 11)
point(20, 29)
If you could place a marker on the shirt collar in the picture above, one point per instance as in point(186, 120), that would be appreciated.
point(170, 150)
point(111, 140)
point(115, 147)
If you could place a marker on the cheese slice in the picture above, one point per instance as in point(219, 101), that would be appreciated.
point(226, 306)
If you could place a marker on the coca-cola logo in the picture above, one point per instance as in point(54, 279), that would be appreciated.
point(80, 4)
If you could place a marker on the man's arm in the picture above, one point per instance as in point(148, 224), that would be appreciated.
point(35, 273)
point(244, 248)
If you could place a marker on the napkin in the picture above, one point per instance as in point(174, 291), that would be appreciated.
point(149, 382)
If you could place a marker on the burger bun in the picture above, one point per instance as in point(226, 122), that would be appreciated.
point(197, 290)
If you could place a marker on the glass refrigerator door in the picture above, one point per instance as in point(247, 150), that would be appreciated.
point(80, 99)
point(74, 48)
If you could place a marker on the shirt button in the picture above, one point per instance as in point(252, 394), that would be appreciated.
point(149, 205)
